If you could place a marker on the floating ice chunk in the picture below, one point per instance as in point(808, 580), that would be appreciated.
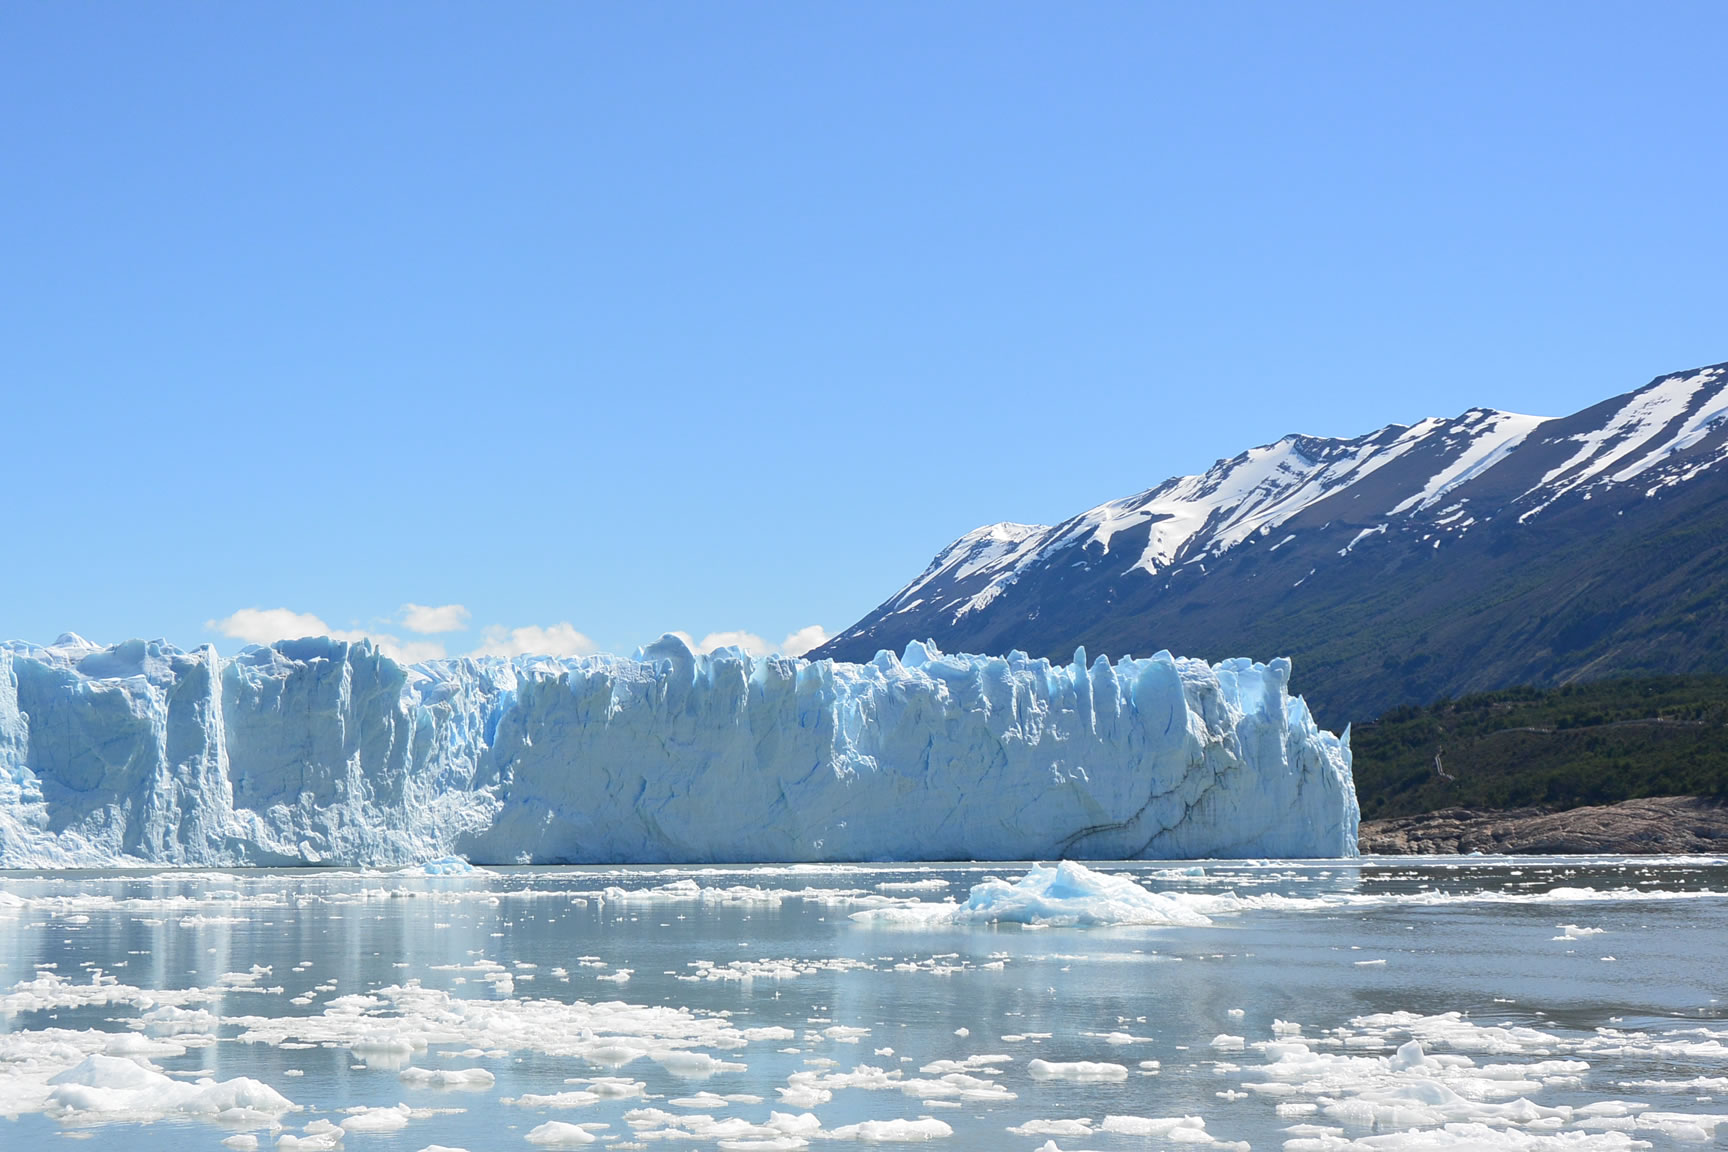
point(1690, 1127)
point(1410, 1056)
point(970, 1064)
point(448, 1077)
point(1078, 1070)
point(892, 1131)
point(1066, 893)
point(119, 1088)
point(1150, 1126)
point(321, 1136)
point(552, 1100)
point(557, 1134)
point(1696, 1085)
point(1076, 1127)
point(1071, 893)
point(708, 1101)
point(1470, 1137)
point(782, 1131)
point(377, 1119)
point(612, 1087)
point(694, 1064)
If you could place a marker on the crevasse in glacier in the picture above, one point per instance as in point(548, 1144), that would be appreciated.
point(320, 751)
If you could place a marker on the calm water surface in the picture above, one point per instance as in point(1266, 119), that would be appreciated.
point(1594, 990)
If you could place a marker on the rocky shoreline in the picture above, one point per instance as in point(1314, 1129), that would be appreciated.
point(1685, 825)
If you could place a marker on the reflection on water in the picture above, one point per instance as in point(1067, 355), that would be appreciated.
point(1558, 1003)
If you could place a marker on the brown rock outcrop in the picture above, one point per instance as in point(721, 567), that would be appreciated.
point(1659, 825)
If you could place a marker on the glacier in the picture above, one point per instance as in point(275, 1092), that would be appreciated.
point(324, 752)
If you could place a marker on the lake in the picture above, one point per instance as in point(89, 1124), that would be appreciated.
point(1524, 1003)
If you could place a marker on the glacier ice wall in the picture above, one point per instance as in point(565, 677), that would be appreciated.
point(317, 751)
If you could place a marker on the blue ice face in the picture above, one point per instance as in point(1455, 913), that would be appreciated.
point(317, 751)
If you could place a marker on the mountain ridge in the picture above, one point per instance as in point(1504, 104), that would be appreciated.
point(1383, 563)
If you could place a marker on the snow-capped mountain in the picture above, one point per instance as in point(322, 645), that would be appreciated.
point(1294, 547)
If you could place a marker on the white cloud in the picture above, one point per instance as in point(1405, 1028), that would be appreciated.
point(801, 641)
point(558, 640)
point(427, 620)
point(263, 625)
point(748, 641)
point(795, 644)
point(407, 651)
point(267, 625)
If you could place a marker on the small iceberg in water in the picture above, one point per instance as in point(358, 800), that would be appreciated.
point(1059, 894)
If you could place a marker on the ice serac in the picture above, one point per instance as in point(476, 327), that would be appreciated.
point(318, 751)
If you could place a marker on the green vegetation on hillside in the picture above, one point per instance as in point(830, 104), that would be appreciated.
point(1594, 743)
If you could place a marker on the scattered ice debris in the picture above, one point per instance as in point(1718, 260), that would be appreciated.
point(320, 1136)
point(1171, 1129)
point(443, 866)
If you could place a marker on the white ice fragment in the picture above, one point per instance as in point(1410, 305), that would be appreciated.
point(1077, 1070)
point(448, 1077)
point(558, 1134)
point(377, 1119)
point(892, 1131)
point(694, 1064)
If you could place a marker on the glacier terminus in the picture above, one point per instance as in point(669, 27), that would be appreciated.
point(319, 751)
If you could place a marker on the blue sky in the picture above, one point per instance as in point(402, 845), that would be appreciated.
point(563, 325)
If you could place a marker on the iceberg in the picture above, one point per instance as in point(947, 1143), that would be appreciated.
point(323, 752)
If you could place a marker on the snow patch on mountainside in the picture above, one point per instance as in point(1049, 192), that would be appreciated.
point(1488, 437)
point(1654, 419)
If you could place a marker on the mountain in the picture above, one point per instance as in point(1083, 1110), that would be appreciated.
point(1413, 563)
